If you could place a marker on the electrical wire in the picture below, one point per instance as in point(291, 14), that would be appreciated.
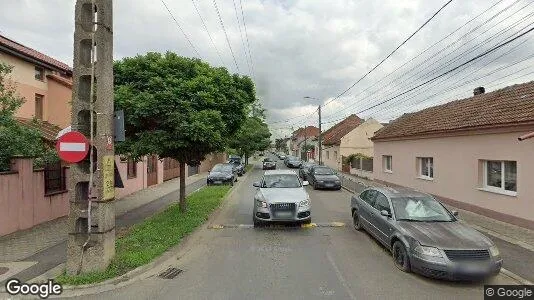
point(248, 42)
point(181, 29)
point(389, 55)
point(208, 32)
point(242, 39)
point(226, 34)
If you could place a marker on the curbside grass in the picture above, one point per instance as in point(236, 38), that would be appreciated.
point(249, 167)
point(155, 235)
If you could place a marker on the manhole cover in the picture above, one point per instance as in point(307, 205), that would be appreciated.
point(170, 273)
point(3, 270)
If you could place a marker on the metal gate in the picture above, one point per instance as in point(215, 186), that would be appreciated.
point(192, 170)
point(152, 170)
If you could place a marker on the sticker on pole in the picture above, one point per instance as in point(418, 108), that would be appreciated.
point(72, 147)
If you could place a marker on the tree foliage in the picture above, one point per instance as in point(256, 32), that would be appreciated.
point(16, 139)
point(280, 145)
point(178, 107)
point(253, 136)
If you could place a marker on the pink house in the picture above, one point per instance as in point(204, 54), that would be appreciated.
point(466, 153)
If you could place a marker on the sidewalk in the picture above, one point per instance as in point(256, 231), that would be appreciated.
point(515, 243)
point(30, 253)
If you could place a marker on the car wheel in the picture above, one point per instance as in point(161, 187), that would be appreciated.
point(231, 183)
point(356, 221)
point(256, 222)
point(400, 257)
point(315, 186)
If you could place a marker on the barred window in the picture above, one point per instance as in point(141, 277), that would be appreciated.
point(54, 177)
point(132, 168)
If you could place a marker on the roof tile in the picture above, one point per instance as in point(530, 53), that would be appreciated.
point(333, 135)
point(513, 105)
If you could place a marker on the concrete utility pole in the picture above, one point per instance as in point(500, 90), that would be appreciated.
point(320, 138)
point(305, 138)
point(91, 240)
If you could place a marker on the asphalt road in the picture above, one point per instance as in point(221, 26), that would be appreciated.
point(291, 263)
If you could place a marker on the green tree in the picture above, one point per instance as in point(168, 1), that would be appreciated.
point(15, 139)
point(253, 136)
point(178, 107)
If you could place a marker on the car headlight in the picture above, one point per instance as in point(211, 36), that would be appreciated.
point(320, 181)
point(494, 251)
point(428, 251)
point(304, 203)
point(261, 204)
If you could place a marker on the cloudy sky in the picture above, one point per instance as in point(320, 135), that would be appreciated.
point(315, 48)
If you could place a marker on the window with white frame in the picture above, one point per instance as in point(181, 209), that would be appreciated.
point(500, 176)
point(426, 167)
point(388, 163)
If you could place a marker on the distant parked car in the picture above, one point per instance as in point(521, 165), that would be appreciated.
point(238, 164)
point(282, 156)
point(222, 174)
point(269, 164)
point(293, 162)
point(281, 197)
point(423, 235)
point(305, 169)
point(323, 177)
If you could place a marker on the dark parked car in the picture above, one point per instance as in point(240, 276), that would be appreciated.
point(238, 164)
point(269, 164)
point(222, 174)
point(321, 177)
point(282, 156)
point(293, 162)
point(305, 169)
point(423, 235)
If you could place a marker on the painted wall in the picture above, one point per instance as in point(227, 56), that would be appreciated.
point(331, 160)
point(22, 198)
point(458, 172)
point(358, 140)
point(57, 102)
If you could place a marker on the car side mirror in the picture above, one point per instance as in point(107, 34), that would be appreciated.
point(454, 213)
point(305, 183)
point(256, 184)
point(385, 213)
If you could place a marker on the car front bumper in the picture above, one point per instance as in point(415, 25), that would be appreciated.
point(455, 271)
point(269, 167)
point(266, 215)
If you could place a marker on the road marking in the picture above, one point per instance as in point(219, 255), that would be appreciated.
point(277, 226)
point(340, 276)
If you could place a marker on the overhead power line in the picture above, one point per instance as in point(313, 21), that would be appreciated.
point(389, 55)
point(208, 32)
point(242, 39)
point(248, 42)
point(225, 34)
point(435, 58)
point(181, 29)
point(451, 70)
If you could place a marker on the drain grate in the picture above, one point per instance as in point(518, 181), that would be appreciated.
point(170, 273)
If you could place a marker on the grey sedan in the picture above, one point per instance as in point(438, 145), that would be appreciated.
point(281, 197)
point(423, 235)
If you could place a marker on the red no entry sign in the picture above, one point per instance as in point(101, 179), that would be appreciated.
point(72, 147)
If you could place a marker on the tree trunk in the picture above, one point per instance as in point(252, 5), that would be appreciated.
point(183, 205)
point(246, 159)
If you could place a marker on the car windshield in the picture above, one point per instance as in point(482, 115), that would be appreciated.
point(235, 160)
point(281, 181)
point(222, 168)
point(420, 209)
point(267, 160)
point(323, 171)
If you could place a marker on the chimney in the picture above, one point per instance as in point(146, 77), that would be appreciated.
point(479, 90)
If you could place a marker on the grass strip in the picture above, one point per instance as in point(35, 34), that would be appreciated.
point(155, 235)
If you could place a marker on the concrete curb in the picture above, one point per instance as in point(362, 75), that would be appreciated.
point(153, 268)
point(502, 237)
point(515, 277)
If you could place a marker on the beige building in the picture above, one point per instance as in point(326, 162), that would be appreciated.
point(466, 153)
point(331, 140)
point(358, 141)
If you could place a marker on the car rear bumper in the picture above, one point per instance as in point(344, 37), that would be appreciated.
point(335, 186)
point(455, 271)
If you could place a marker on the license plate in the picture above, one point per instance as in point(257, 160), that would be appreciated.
point(473, 268)
point(217, 182)
point(329, 184)
point(284, 214)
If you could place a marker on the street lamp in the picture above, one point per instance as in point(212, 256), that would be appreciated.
point(320, 131)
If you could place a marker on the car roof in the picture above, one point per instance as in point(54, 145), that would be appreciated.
point(280, 172)
point(400, 191)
